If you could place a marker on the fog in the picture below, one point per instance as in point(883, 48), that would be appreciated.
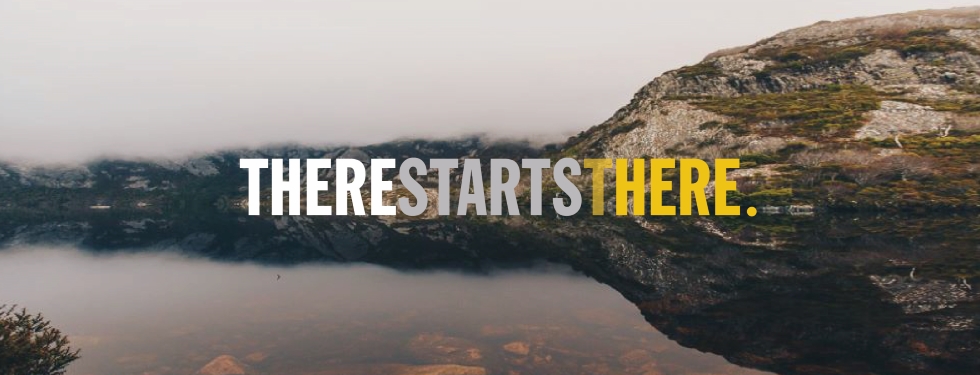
point(81, 79)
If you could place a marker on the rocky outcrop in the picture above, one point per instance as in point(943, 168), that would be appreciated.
point(900, 118)
point(862, 84)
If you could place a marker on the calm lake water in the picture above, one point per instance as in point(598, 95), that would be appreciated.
point(165, 314)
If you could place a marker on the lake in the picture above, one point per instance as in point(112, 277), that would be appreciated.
point(159, 313)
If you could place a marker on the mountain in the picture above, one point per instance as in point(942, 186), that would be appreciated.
point(870, 113)
point(874, 122)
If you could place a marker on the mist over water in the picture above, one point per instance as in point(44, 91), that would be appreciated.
point(164, 314)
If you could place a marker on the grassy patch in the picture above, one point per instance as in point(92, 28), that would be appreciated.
point(964, 106)
point(626, 128)
point(759, 159)
point(736, 128)
point(956, 150)
point(968, 88)
point(832, 111)
point(770, 197)
point(703, 69)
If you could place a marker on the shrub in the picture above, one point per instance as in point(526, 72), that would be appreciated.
point(30, 345)
point(758, 159)
point(811, 158)
point(773, 197)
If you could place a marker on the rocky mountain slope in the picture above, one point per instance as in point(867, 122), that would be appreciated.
point(874, 115)
point(866, 113)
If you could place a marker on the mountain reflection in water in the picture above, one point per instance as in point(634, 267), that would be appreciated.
point(159, 314)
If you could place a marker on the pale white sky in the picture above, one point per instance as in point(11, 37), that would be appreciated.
point(86, 78)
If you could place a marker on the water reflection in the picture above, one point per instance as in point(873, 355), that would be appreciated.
point(157, 314)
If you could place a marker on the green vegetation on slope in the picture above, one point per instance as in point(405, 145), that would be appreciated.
point(702, 69)
point(832, 111)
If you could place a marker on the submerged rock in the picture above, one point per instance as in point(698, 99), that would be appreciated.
point(518, 347)
point(442, 370)
point(438, 348)
point(223, 365)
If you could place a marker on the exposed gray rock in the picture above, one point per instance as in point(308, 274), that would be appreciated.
point(666, 124)
point(900, 118)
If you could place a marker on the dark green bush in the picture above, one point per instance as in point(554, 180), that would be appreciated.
point(29, 345)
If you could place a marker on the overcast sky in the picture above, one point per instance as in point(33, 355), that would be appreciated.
point(85, 78)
